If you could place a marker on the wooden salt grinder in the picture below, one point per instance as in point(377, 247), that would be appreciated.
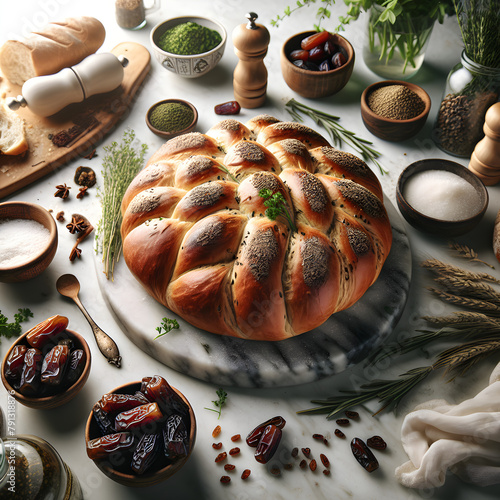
point(485, 159)
point(250, 75)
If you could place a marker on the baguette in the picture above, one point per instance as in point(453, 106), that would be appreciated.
point(496, 237)
point(12, 137)
point(59, 45)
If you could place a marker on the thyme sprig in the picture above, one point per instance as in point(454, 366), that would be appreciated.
point(219, 403)
point(338, 133)
point(276, 206)
point(9, 329)
point(121, 164)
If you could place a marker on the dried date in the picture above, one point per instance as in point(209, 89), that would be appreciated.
point(102, 420)
point(30, 378)
point(377, 443)
point(268, 443)
point(46, 331)
point(175, 438)
point(76, 365)
point(158, 390)
point(314, 40)
point(227, 108)
point(364, 455)
point(254, 437)
point(54, 365)
point(14, 363)
point(109, 444)
point(120, 402)
point(146, 453)
point(144, 418)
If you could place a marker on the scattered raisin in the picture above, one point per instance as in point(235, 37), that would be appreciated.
point(234, 451)
point(339, 434)
point(312, 465)
point(295, 452)
point(324, 460)
point(343, 422)
point(275, 471)
point(225, 479)
point(319, 437)
point(306, 452)
point(221, 456)
point(216, 446)
point(325, 441)
point(353, 415)
point(229, 467)
point(245, 474)
point(303, 464)
point(326, 472)
point(236, 437)
point(216, 431)
point(376, 442)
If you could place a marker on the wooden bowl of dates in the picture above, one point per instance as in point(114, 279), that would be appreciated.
point(141, 433)
point(33, 258)
point(47, 366)
point(388, 127)
point(317, 64)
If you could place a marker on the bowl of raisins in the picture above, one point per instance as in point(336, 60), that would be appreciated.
point(47, 366)
point(317, 64)
point(141, 433)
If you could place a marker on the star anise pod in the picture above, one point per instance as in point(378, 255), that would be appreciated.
point(82, 192)
point(75, 254)
point(62, 191)
point(76, 225)
point(60, 216)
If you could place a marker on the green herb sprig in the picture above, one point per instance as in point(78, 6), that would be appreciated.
point(167, 325)
point(121, 164)
point(219, 403)
point(337, 132)
point(12, 329)
point(276, 206)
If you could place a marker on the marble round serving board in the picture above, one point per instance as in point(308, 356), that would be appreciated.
point(344, 339)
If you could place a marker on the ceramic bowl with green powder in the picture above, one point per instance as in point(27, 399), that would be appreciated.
point(171, 117)
point(189, 46)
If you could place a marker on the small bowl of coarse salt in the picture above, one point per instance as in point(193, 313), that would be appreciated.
point(441, 197)
point(28, 240)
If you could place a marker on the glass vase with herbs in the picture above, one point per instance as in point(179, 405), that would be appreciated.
point(398, 30)
point(473, 85)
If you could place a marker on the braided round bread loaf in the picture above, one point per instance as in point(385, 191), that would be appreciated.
point(196, 235)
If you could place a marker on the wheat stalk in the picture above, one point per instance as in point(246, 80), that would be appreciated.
point(473, 289)
point(464, 320)
point(467, 253)
point(439, 267)
point(481, 305)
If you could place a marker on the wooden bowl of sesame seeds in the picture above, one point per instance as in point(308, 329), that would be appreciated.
point(394, 110)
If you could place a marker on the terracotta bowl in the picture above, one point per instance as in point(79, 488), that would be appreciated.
point(432, 225)
point(170, 135)
point(188, 66)
point(40, 261)
point(315, 84)
point(387, 128)
point(154, 475)
point(45, 403)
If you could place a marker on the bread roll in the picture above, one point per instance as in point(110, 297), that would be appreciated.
point(59, 45)
point(12, 135)
point(201, 239)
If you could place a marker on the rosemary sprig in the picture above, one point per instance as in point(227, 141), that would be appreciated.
point(276, 206)
point(467, 253)
point(120, 165)
point(337, 132)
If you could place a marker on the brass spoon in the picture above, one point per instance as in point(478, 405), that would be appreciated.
point(69, 286)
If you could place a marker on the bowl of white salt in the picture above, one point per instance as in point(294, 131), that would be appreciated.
point(441, 197)
point(28, 240)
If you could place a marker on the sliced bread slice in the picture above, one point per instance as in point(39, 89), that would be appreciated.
point(12, 135)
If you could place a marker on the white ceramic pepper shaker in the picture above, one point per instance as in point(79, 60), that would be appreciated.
point(250, 75)
point(485, 159)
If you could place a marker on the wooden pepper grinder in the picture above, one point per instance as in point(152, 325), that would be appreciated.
point(485, 159)
point(250, 75)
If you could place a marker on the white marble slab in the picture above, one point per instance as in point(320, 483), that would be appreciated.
point(344, 339)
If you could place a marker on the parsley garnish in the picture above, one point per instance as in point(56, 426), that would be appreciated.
point(167, 324)
point(9, 330)
point(219, 403)
point(276, 206)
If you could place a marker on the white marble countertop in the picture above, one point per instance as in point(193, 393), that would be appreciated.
point(246, 407)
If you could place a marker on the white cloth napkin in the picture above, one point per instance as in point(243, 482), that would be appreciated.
point(464, 438)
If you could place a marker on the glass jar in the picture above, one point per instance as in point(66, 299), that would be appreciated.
point(470, 90)
point(30, 468)
point(396, 51)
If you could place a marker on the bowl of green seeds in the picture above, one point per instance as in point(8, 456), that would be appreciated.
point(189, 46)
point(171, 117)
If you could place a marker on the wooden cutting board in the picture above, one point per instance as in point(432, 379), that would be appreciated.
point(92, 119)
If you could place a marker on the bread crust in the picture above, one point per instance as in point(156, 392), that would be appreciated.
point(59, 45)
point(229, 268)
